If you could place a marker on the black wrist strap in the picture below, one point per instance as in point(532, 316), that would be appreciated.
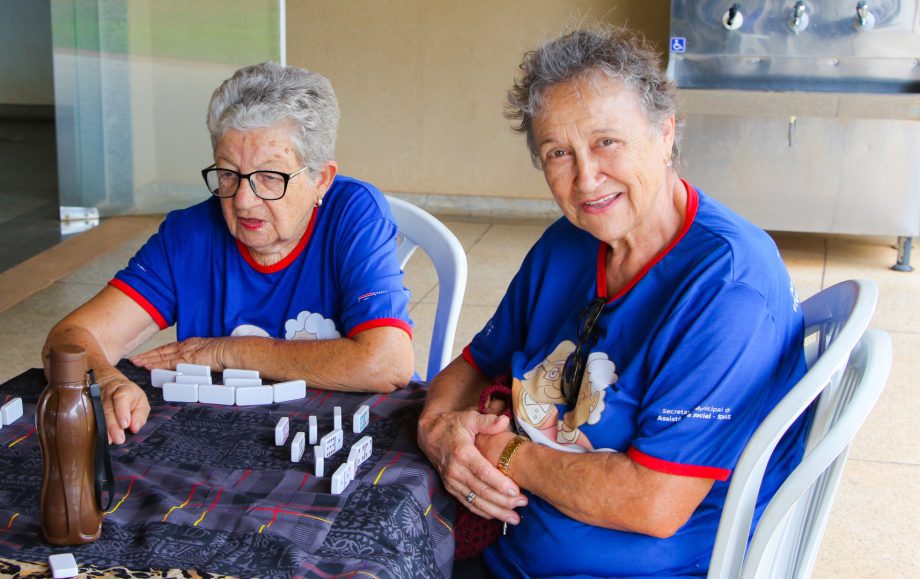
point(103, 459)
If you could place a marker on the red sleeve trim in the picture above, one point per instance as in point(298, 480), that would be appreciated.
point(381, 323)
point(288, 259)
point(693, 203)
point(141, 301)
point(468, 356)
point(666, 467)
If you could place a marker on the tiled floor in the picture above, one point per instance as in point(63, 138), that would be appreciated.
point(876, 519)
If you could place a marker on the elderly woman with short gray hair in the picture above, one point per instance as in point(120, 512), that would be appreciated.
point(647, 334)
point(288, 268)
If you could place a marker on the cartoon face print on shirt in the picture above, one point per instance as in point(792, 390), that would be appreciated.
point(538, 394)
point(307, 326)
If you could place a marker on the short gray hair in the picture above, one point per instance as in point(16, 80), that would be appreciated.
point(267, 95)
point(614, 52)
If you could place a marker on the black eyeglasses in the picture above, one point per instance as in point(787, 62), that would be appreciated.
point(574, 370)
point(269, 185)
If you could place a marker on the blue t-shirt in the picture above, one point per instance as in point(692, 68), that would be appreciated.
point(691, 355)
point(341, 279)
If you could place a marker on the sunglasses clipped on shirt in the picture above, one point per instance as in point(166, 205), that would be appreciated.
point(574, 369)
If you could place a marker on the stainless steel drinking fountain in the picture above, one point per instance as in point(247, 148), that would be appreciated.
point(804, 115)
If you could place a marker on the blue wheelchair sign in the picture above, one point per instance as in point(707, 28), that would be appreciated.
point(678, 44)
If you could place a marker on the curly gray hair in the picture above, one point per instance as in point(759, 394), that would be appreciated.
point(614, 52)
point(268, 94)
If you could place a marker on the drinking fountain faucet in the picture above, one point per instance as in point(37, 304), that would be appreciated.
point(733, 18)
point(865, 19)
point(798, 20)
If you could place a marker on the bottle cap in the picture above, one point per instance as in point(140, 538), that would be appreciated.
point(68, 364)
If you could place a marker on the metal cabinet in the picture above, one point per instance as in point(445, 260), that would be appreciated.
point(804, 115)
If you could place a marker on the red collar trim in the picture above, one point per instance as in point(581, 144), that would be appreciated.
point(693, 203)
point(288, 259)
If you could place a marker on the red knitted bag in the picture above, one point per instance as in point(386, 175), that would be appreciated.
point(472, 533)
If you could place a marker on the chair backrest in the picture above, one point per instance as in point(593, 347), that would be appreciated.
point(417, 228)
point(847, 368)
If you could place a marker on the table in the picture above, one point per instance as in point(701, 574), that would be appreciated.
point(203, 487)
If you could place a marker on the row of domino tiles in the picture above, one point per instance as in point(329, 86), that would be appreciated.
point(193, 383)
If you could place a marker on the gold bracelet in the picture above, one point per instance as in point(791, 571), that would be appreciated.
point(504, 462)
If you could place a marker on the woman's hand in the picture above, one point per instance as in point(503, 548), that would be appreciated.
point(206, 351)
point(449, 441)
point(492, 445)
point(124, 404)
point(107, 327)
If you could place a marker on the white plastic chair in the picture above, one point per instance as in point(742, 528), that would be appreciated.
point(417, 228)
point(847, 369)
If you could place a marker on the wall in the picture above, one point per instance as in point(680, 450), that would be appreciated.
point(180, 52)
point(133, 82)
point(421, 84)
point(25, 53)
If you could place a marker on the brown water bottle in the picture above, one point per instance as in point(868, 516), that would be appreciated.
point(70, 512)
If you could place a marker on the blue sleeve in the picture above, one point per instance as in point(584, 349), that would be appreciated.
point(371, 283)
point(711, 382)
point(148, 279)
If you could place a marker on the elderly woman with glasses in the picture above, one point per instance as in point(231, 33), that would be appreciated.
point(289, 268)
point(647, 334)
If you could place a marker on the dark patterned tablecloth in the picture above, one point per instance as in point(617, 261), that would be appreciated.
point(203, 487)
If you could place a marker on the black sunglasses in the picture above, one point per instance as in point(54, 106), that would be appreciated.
point(574, 369)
